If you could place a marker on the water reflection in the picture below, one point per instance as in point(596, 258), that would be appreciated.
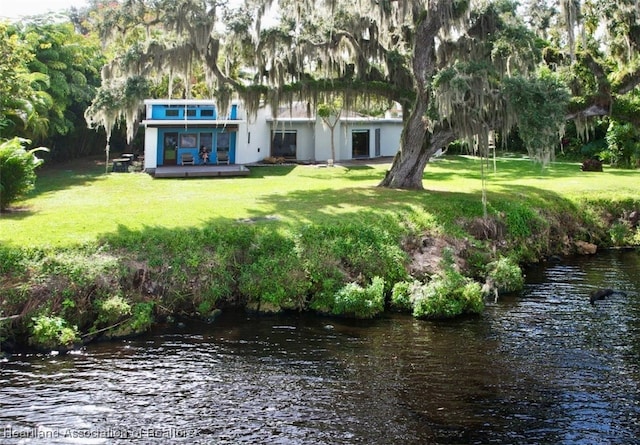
point(541, 367)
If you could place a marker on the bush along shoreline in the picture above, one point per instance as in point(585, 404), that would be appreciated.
point(59, 299)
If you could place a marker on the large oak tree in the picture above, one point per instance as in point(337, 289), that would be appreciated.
point(460, 68)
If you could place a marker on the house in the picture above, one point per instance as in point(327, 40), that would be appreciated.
point(176, 130)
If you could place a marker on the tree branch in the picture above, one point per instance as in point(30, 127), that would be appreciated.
point(600, 103)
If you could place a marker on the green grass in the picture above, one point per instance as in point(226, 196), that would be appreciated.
point(296, 238)
point(79, 203)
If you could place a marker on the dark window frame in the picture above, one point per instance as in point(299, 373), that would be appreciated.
point(282, 143)
point(360, 143)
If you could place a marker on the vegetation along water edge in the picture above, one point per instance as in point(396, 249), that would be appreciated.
point(90, 256)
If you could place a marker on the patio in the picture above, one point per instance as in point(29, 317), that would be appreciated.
point(196, 171)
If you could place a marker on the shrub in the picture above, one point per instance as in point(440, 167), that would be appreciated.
point(17, 170)
point(81, 267)
point(505, 275)
point(336, 254)
point(635, 237)
point(273, 273)
point(274, 160)
point(593, 149)
point(621, 234)
point(591, 165)
point(443, 297)
point(212, 279)
point(371, 251)
point(205, 308)
point(623, 143)
point(112, 310)
point(142, 317)
point(354, 300)
point(523, 225)
point(402, 295)
point(324, 269)
point(449, 294)
point(520, 220)
point(11, 260)
point(52, 332)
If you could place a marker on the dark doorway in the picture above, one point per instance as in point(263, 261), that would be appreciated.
point(170, 151)
point(360, 143)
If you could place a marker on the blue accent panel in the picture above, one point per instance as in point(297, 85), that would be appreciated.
point(193, 112)
point(160, 148)
point(233, 114)
point(193, 151)
point(232, 147)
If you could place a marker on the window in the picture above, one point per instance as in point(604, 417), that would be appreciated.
point(206, 139)
point(170, 141)
point(191, 112)
point(223, 141)
point(188, 140)
point(171, 113)
point(284, 144)
point(206, 113)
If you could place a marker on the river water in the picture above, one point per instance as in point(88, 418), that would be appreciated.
point(541, 367)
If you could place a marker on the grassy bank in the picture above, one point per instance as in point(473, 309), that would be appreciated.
point(76, 204)
point(109, 254)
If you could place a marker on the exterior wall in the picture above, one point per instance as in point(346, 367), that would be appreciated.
point(314, 138)
point(390, 132)
point(255, 143)
point(185, 109)
point(304, 127)
point(253, 134)
point(323, 141)
point(150, 148)
point(306, 142)
point(305, 137)
point(345, 135)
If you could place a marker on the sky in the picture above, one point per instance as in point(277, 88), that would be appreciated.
point(16, 9)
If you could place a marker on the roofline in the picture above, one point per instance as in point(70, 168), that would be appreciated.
point(184, 102)
point(189, 122)
point(389, 120)
point(348, 120)
point(291, 119)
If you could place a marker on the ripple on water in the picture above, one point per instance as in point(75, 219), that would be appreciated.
point(541, 367)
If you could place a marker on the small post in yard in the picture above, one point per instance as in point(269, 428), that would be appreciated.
point(106, 149)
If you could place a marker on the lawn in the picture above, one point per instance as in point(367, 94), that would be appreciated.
point(78, 203)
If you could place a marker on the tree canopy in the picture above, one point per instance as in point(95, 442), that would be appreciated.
point(50, 74)
point(460, 68)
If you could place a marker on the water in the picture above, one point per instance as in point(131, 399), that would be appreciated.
point(543, 367)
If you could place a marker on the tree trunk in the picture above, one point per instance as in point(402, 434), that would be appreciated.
point(415, 146)
point(410, 161)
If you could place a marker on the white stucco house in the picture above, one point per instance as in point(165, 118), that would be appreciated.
point(176, 131)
